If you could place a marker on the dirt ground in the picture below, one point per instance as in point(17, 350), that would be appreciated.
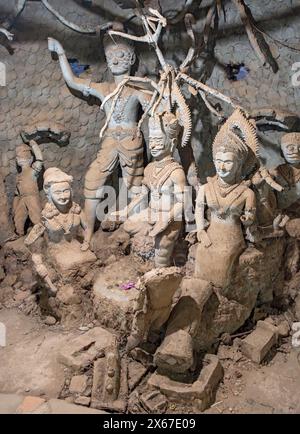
point(29, 366)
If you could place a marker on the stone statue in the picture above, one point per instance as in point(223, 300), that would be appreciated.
point(229, 200)
point(288, 175)
point(27, 197)
point(120, 144)
point(60, 222)
point(225, 216)
point(165, 180)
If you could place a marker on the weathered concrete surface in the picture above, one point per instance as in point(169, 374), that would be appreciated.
point(29, 359)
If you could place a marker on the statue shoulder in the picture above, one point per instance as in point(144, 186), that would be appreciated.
point(49, 211)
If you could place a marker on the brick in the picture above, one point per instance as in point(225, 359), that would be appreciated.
point(257, 345)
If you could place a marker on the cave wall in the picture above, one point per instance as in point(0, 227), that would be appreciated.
point(35, 90)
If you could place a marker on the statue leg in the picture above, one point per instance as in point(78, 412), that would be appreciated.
point(34, 208)
point(20, 215)
point(131, 154)
point(96, 177)
point(165, 243)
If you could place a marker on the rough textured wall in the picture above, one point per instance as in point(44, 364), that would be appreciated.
point(36, 91)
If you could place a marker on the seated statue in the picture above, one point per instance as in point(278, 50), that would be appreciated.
point(164, 180)
point(230, 202)
point(60, 222)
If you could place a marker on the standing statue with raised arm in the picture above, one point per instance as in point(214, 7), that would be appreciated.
point(27, 196)
point(121, 144)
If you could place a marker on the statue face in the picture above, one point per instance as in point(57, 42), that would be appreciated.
point(227, 166)
point(160, 146)
point(60, 193)
point(291, 152)
point(119, 59)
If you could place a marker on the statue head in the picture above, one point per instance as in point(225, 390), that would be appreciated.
point(235, 149)
point(24, 156)
point(163, 135)
point(119, 52)
point(58, 188)
point(229, 158)
point(290, 147)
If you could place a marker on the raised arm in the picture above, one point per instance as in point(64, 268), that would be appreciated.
point(86, 87)
point(38, 164)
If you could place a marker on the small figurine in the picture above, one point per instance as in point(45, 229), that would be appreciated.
point(27, 197)
point(165, 180)
point(288, 175)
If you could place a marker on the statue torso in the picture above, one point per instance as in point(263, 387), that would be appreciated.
point(158, 180)
point(127, 107)
point(225, 204)
point(27, 182)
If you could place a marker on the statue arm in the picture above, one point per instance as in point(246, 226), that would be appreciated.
point(179, 180)
point(39, 161)
point(42, 271)
point(201, 222)
point(249, 215)
point(84, 86)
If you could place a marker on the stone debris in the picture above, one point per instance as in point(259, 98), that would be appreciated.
point(67, 295)
point(154, 402)
point(83, 400)
point(84, 349)
point(177, 353)
point(50, 320)
point(258, 344)
point(201, 392)
point(110, 383)
point(136, 371)
point(78, 384)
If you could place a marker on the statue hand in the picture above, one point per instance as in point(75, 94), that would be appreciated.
point(54, 45)
point(203, 238)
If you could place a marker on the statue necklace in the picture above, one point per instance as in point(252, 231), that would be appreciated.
point(225, 189)
point(67, 220)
